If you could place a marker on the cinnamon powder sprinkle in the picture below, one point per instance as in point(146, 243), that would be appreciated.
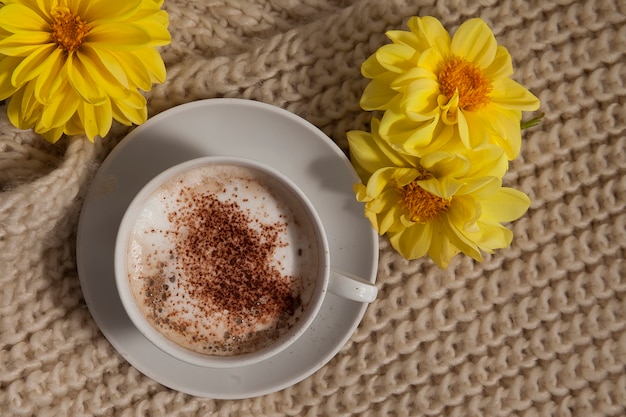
point(225, 255)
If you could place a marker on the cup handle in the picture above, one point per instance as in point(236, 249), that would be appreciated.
point(352, 287)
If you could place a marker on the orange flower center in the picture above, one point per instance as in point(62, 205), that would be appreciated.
point(68, 29)
point(423, 206)
point(458, 74)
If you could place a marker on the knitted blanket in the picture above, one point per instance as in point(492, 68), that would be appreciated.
point(537, 329)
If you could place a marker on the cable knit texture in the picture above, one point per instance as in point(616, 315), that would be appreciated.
point(538, 329)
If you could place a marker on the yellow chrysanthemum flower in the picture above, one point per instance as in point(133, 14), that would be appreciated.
point(441, 204)
point(71, 66)
point(429, 84)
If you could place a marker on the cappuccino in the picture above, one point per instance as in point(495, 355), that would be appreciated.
point(223, 259)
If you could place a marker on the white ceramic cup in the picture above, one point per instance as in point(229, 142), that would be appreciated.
point(327, 279)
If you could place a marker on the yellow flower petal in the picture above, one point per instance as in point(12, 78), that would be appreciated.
point(7, 66)
point(412, 242)
point(108, 84)
point(128, 112)
point(408, 78)
point(74, 126)
point(475, 42)
point(456, 235)
point(153, 63)
point(449, 108)
point(135, 69)
point(378, 181)
point(59, 110)
point(107, 61)
point(14, 110)
point(487, 160)
point(503, 126)
point(481, 188)
point(377, 94)
point(396, 58)
point(402, 37)
point(96, 119)
point(18, 18)
point(506, 205)
point(134, 100)
point(374, 205)
point(444, 188)
point(103, 11)
point(388, 214)
point(23, 110)
point(84, 84)
point(371, 68)
point(36, 5)
point(52, 78)
point(32, 65)
point(431, 60)
point(464, 131)
point(156, 25)
point(420, 99)
point(104, 117)
point(410, 136)
point(493, 236)
point(477, 127)
point(361, 192)
point(430, 33)
point(441, 164)
point(369, 152)
point(23, 43)
point(502, 65)
point(51, 135)
point(441, 249)
point(511, 95)
point(118, 37)
point(30, 109)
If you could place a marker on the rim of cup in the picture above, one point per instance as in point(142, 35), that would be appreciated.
point(179, 352)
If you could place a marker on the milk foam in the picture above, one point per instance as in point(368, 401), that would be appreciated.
point(189, 292)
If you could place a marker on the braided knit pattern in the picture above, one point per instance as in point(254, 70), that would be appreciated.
point(537, 329)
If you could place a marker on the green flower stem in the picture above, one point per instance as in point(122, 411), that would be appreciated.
point(532, 122)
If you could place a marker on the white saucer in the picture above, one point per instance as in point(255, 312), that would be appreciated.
point(242, 128)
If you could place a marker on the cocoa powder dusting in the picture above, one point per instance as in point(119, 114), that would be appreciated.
point(226, 258)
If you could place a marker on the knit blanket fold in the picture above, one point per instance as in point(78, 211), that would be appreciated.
point(536, 329)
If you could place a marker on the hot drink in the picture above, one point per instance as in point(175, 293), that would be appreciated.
point(222, 259)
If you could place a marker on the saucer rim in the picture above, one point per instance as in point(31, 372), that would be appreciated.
point(177, 381)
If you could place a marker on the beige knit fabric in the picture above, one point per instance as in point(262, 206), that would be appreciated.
point(538, 329)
